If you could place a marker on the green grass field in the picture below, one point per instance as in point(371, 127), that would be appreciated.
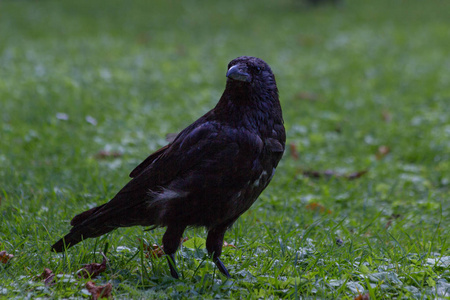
point(88, 89)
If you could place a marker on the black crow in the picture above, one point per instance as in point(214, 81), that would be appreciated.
point(208, 176)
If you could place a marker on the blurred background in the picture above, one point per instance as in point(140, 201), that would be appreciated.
point(89, 88)
point(353, 76)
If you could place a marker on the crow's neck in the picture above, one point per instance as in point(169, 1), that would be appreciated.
point(249, 108)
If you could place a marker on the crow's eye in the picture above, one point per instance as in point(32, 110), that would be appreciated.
point(258, 70)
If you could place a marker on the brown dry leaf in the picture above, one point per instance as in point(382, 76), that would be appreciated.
point(157, 251)
point(181, 50)
point(154, 251)
point(94, 269)
point(225, 244)
point(307, 96)
point(47, 276)
point(99, 292)
point(355, 175)
point(314, 206)
point(5, 257)
point(308, 39)
point(319, 174)
point(103, 154)
point(362, 297)
point(391, 219)
point(293, 151)
point(386, 116)
point(143, 38)
point(382, 152)
point(331, 173)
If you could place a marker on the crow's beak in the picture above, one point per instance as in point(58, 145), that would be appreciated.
point(238, 72)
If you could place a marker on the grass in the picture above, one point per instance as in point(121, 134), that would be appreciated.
point(85, 77)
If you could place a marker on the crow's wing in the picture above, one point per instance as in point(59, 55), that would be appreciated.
point(209, 148)
point(148, 161)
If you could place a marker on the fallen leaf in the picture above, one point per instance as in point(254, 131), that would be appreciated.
point(308, 39)
point(99, 292)
point(382, 152)
point(156, 251)
point(319, 174)
point(102, 154)
point(391, 219)
point(143, 38)
point(307, 96)
point(331, 173)
point(362, 297)
point(386, 116)
point(355, 175)
point(5, 257)
point(181, 50)
point(293, 151)
point(314, 206)
point(93, 270)
point(47, 276)
point(225, 244)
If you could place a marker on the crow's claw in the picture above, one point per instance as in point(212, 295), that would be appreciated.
point(172, 266)
point(221, 267)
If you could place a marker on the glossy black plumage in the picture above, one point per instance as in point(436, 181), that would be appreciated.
point(208, 176)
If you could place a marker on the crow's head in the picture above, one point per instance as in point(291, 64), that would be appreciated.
point(251, 72)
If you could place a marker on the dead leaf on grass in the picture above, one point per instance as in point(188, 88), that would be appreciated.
point(391, 219)
point(143, 38)
point(225, 244)
point(93, 270)
point(382, 152)
point(103, 154)
point(362, 297)
point(386, 116)
point(99, 292)
point(307, 96)
point(47, 276)
point(5, 257)
point(314, 206)
point(293, 151)
point(153, 251)
point(355, 175)
point(331, 173)
point(157, 251)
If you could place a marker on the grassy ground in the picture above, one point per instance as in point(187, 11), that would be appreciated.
point(364, 86)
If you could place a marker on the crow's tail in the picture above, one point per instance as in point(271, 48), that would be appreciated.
point(77, 235)
point(88, 224)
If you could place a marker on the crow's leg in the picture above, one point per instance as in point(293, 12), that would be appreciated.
point(214, 243)
point(171, 242)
